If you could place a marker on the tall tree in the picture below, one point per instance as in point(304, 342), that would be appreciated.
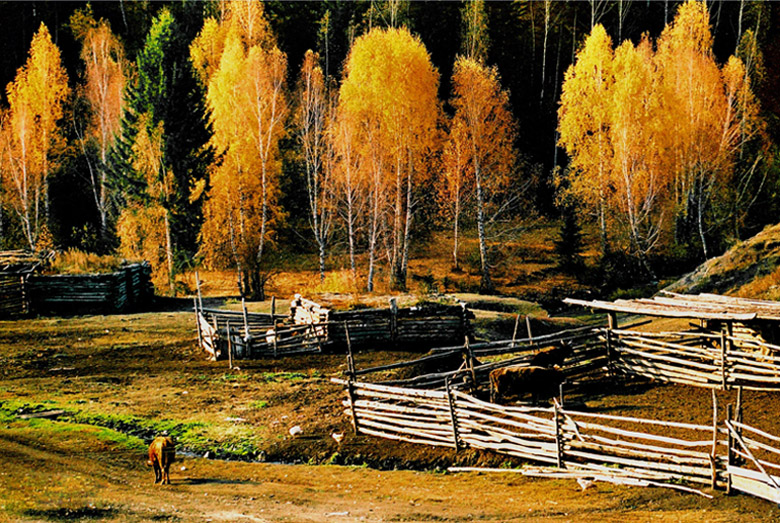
point(105, 73)
point(164, 83)
point(347, 175)
point(390, 92)
point(708, 114)
point(31, 134)
point(475, 40)
point(244, 71)
point(312, 118)
point(638, 184)
point(583, 124)
point(484, 125)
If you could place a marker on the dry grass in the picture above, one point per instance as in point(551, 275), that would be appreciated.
point(523, 266)
point(74, 261)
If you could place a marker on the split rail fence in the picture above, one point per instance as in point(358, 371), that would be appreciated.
point(721, 455)
point(229, 335)
point(718, 361)
point(589, 359)
point(427, 325)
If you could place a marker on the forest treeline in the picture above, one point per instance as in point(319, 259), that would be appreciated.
point(232, 134)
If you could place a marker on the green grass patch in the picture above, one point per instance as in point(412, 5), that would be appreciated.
point(132, 431)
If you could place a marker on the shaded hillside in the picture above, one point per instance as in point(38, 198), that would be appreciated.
point(750, 268)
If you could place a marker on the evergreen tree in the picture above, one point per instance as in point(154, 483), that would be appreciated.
point(569, 245)
point(165, 94)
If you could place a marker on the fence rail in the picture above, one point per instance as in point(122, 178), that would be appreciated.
point(718, 361)
point(721, 455)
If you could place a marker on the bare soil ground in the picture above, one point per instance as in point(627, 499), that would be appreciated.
point(107, 384)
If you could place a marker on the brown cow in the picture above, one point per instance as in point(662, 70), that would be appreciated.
point(552, 356)
point(162, 452)
point(516, 381)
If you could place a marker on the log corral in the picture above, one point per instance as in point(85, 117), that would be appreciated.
point(25, 289)
point(425, 325)
point(129, 288)
point(733, 344)
point(646, 452)
point(310, 327)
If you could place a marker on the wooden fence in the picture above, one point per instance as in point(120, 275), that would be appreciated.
point(127, 288)
point(589, 358)
point(229, 335)
point(14, 300)
point(427, 325)
point(719, 361)
point(658, 451)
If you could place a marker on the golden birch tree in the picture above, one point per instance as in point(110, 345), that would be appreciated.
point(483, 128)
point(583, 119)
point(708, 113)
point(638, 185)
point(390, 92)
point(105, 76)
point(31, 134)
point(311, 120)
point(348, 177)
point(244, 71)
point(145, 225)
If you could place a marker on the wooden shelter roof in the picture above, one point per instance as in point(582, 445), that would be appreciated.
point(697, 306)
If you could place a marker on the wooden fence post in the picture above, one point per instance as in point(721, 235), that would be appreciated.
point(246, 319)
point(514, 333)
point(197, 322)
point(560, 392)
point(453, 416)
point(393, 320)
point(215, 336)
point(197, 284)
point(230, 346)
point(528, 328)
point(350, 360)
point(713, 453)
point(273, 309)
point(723, 353)
point(729, 454)
point(558, 438)
point(351, 398)
point(470, 363)
point(611, 323)
point(276, 349)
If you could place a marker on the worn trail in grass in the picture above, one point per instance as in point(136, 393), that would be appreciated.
point(60, 472)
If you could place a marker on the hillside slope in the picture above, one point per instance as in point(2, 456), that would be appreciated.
point(750, 268)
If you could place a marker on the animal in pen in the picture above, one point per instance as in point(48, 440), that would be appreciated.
point(552, 356)
point(162, 453)
point(446, 362)
point(539, 382)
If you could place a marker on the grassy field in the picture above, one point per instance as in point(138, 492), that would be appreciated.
point(80, 398)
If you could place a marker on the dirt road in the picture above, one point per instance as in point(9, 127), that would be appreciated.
point(81, 475)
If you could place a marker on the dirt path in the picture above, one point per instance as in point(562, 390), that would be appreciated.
point(80, 476)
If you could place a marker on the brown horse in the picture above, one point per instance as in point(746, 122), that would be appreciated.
point(162, 452)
